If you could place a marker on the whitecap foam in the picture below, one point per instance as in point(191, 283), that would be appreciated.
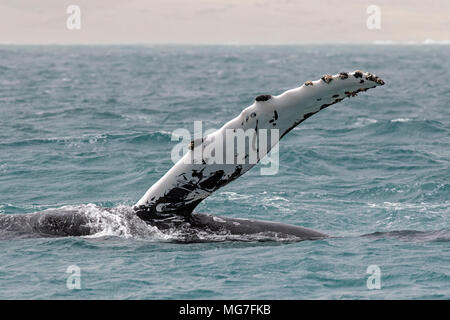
point(362, 122)
point(401, 120)
point(120, 221)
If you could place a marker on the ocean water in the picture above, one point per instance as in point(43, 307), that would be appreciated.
point(90, 126)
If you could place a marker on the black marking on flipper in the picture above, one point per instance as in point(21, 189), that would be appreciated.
point(211, 182)
point(351, 94)
point(307, 115)
point(217, 179)
point(235, 174)
point(194, 143)
point(330, 104)
point(361, 81)
point(173, 201)
point(263, 97)
point(198, 173)
point(275, 117)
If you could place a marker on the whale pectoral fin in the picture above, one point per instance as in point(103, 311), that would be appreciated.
point(192, 180)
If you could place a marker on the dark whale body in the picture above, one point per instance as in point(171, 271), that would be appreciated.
point(63, 223)
point(196, 228)
point(197, 222)
point(57, 223)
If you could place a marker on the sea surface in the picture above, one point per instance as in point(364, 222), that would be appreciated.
point(89, 127)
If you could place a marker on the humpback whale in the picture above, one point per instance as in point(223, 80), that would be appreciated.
point(169, 203)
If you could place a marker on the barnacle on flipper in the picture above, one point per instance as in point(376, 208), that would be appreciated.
point(327, 78)
point(343, 75)
point(374, 78)
point(358, 74)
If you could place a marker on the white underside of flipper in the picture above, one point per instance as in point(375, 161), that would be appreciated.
point(186, 184)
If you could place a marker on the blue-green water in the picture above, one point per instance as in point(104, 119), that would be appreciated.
point(92, 125)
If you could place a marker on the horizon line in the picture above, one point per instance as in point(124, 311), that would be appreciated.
point(376, 43)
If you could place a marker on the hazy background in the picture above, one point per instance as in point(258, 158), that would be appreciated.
point(223, 21)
